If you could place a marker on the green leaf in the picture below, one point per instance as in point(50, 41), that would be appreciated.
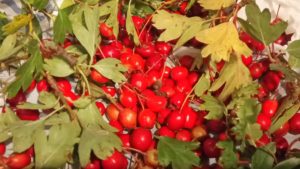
point(66, 4)
point(8, 47)
point(90, 116)
point(291, 163)
point(22, 133)
point(202, 86)
point(262, 158)
point(53, 150)
point(216, 4)
point(246, 91)
point(3, 21)
point(17, 23)
point(28, 71)
point(228, 158)
point(39, 4)
point(82, 102)
point(258, 24)
point(177, 153)
point(247, 110)
point(47, 100)
point(222, 41)
point(62, 25)
point(6, 119)
point(113, 8)
point(58, 67)
point(289, 74)
point(101, 142)
point(58, 118)
point(130, 26)
point(85, 27)
point(190, 4)
point(216, 109)
point(294, 52)
point(176, 26)
point(286, 116)
point(112, 69)
point(234, 75)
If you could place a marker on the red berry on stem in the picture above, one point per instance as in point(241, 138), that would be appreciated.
point(109, 90)
point(141, 139)
point(112, 112)
point(116, 161)
point(128, 118)
point(64, 85)
point(156, 103)
point(128, 98)
point(147, 118)
point(26, 114)
point(42, 85)
point(184, 135)
point(98, 77)
point(256, 70)
point(264, 121)
point(210, 148)
point(31, 86)
point(139, 81)
point(179, 73)
point(165, 132)
point(176, 120)
point(269, 107)
point(295, 124)
point(282, 131)
point(18, 161)
point(247, 60)
point(94, 164)
point(163, 48)
point(125, 138)
point(116, 124)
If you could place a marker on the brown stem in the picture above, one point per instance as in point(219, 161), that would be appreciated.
point(61, 96)
point(67, 57)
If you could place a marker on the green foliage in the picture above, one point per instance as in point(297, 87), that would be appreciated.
point(233, 76)
point(62, 25)
point(112, 69)
point(176, 26)
point(85, 22)
point(47, 101)
point(3, 21)
point(291, 163)
point(38, 4)
point(9, 47)
point(17, 23)
point(112, 10)
point(264, 157)
point(130, 26)
point(101, 142)
point(177, 153)
point(6, 120)
point(58, 67)
point(53, 150)
point(202, 85)
point(28, 71)
point(294, 53)
point(216, 109)
point(215, 4)
point(258, 24)
point(228, 159)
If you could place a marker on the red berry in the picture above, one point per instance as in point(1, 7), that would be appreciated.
point(138, 22)
point(193, 78)
point(70, 97)
point(146, 50)
point(256, 70)
point(64, 85)
point(116, 124)
point(2, 149)
point(210, 148)
point(190, 117)
point(264, 121)
point(282, 131)
point(109, 90)
point(184, 135)
point(139, 81)
point(100, 107)
point(179, 73)
point(133, 61)
point(128, 98)
point(18, 161)
point(177, 99)
point(176, 120)
point(116, 161)
point(94, 164)
point(216, 126)
point(156, 103)
point(247, 60)
point(153, 76)
point(112, 112)
point(271, 80)
point(220, 65)
point(42, 85)
point(165, 132)
point(246, 38)
point(183, 86)
point(182, 7)
point(281, 144)
point(264, 140)
point(109, 51)
point(186, 60)
point(125, 138)
point(141, 139)
point(147, 118)
point(98, 77)
point(269, 107)
point(163, 48)
point(128, 118)
point(162, 115)
point(26, 114)
point(258, 46)
point(31, 86)
point(19, 98)
point(106, 31)
point(295, 124)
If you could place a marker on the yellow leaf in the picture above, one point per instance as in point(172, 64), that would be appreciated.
point(18, 22)
point(176, 25)
point(222, 40)
point(215, 4)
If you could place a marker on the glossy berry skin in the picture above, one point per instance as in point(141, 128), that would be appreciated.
point(116, 124)
point(199, 132)
point(105, 30)
point(247, 60)
point(138, 22)
point(186, 60)
point(70, 97)
point(109, 90)
point(141, 139)
point(42, 85)
point(98, 77)
point(112, 112)
point(163, 48)
point(271, 80)
point(19, 98)
point(176, 120)
point(125, 138)
point(128, 99)
point(295, 124)
point(269, 107)
point(184, 135)
point(166, 132)
point(146, 118)
point(193, 78)
point(18, 161)
point(179, 73)
point(26, 114)
point(156, 103)
point(64, 85)
point(216, 126)
point(282, 131)
point(139, 81)
point(116, 161)
point(128, 118)
point(281, 144)
point(264, 140)
point(101, 107)
point(210, 149)
point(264, 122)
point(146, 50)
point(177, 99)
point(182, 7)
point(94, 164)
point(256, 70)
point(162, 115)
point(190, 117)
point(2, 149)
point(31, 86)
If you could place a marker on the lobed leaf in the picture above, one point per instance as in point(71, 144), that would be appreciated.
point(262, 157)
point(216, 4)
point(216, 109)
point(228, 158)
point(294, 53)
point(58, 67)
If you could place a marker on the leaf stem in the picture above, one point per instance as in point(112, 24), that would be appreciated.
point(85, 79)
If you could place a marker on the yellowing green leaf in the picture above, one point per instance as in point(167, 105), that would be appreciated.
point(112, 69)
point(216, 109)
point(130, 26)
point(58, 67)
point(18, 22)
point(234, 75)
point(8, 47)
point(175, 26)
point(112, 20)
point(67, 3)
point(7, 119)
point(222, 41)
point(216, 4)
point(202, 85)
